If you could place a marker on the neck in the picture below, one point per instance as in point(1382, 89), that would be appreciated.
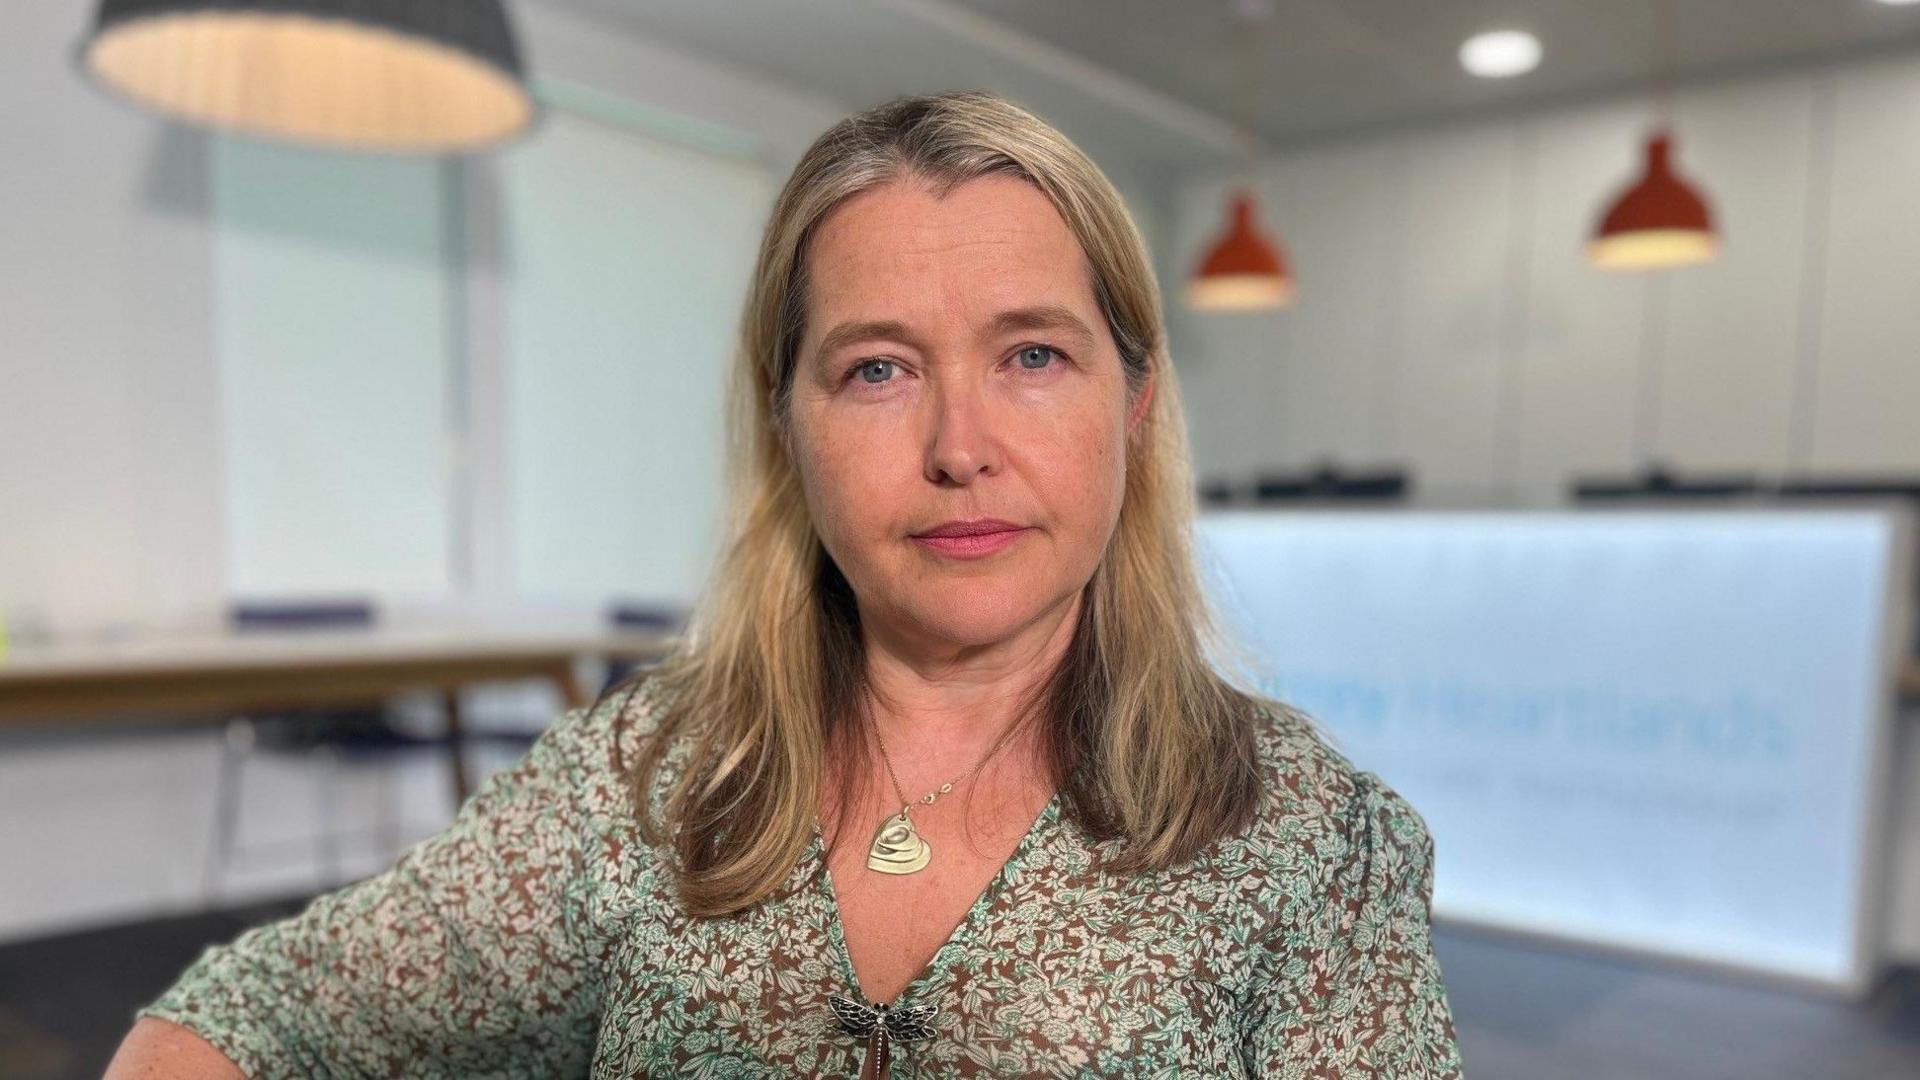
point(940, 701)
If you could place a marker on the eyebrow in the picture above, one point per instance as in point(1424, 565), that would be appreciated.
point(1054, 317)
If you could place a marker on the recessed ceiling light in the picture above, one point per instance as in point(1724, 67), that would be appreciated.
point(1500, 54)
point(1899, 3)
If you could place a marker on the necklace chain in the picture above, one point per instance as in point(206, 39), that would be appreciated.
point(906, 803)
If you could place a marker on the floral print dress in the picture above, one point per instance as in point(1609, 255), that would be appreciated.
point(538, 936)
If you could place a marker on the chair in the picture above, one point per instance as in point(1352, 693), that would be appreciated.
point(338, 736)
point(1661, 482)
point(1328, 483)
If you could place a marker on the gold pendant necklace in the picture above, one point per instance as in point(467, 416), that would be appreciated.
point(898, 848)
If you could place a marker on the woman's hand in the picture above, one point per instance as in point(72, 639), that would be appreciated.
point(157, 1049)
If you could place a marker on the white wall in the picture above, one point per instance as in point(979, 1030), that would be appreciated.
point(625, 263)
point(336, 340)
point(110, 460)
point(1447, 318)
point(134, 829)
point(1865, 379)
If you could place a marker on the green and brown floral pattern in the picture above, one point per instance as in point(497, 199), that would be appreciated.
point(537, 936)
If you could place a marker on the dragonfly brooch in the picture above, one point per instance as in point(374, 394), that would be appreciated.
point(879, 1023)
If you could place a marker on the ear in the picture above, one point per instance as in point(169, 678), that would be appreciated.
point(1140, 407)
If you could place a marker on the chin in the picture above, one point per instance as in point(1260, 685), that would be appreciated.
point(977, 613)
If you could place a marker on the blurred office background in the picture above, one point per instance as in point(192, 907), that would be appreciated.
point(328, 476)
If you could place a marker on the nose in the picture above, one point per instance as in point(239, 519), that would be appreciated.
point(961, 446)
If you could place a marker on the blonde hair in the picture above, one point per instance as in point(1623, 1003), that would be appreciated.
point(1147, 743)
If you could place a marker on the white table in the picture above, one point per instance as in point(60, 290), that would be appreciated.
point(219, 674)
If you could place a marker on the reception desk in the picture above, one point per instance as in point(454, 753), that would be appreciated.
point(1668, 730)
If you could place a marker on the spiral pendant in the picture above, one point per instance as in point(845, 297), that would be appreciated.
point(898, 847)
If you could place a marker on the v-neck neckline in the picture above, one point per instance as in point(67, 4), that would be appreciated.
point(962, 935)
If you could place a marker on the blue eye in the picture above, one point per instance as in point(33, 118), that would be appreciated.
point(1045, 352)
point(866, 368)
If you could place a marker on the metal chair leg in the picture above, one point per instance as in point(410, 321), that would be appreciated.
point(236, 744)
point(389, 817)
point(328, 838)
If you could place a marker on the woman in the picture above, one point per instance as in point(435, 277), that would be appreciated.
point(940, 782)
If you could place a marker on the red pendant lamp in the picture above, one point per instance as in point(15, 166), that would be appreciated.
point(1244, 270)
point(1659, 222)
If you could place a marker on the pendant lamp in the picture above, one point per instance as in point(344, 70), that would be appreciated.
point(420, 76)
point(1661, 221)
point(1244, 270)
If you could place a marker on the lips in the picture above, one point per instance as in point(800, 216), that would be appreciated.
point(976, 527)
point(970, 539)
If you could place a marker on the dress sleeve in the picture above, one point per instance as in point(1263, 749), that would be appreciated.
point(1357, 992)
point(466, 956)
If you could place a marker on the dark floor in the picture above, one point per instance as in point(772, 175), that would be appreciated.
point(1525, 1010)
point(1528, 1010)
point(66, 1001)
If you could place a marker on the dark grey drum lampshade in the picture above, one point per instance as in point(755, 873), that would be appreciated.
point(393, 75)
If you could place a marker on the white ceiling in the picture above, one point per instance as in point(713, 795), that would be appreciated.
point(1159, 82)
point(1335, 65)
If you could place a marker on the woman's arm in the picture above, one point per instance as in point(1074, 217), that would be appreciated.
point(162, 1050)
point(473, 953)
point(1359, 993)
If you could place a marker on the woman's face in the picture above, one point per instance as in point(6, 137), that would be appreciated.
point(955, 368)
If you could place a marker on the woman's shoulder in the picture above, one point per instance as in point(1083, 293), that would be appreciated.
point(1317, 802)
point(596, 745)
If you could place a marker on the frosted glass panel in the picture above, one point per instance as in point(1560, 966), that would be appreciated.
point(1649, 729)
point(625, 262)
point(333, 338)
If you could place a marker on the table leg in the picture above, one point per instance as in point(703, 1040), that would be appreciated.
point(456, 760)
point(570, 691)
